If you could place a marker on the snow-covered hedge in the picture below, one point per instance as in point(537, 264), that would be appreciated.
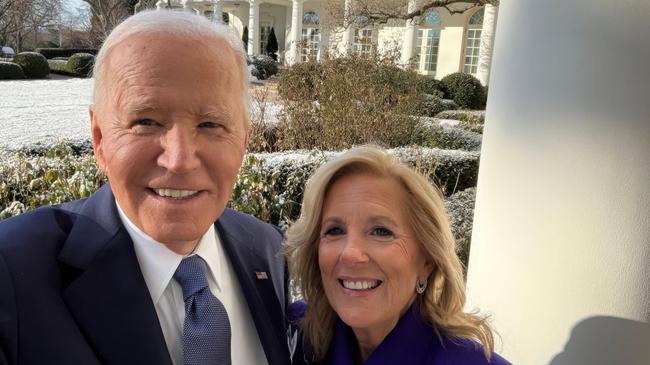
point(269, 186)
point(460, 207)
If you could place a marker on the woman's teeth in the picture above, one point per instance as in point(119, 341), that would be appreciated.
point(360, 284)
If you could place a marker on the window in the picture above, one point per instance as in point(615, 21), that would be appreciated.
point(363, 41)
point(310, 37)
point(428, 41)
point(264, 38)
point(473, 43)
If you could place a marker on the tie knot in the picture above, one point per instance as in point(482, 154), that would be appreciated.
point(191, 275)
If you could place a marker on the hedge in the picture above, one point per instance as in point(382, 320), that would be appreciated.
point(50, 53)
point(460, 208)
point(78, 65)
point(11, 71)
point(33, 64)
point(269, 185)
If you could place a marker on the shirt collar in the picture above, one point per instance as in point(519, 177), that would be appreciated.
point(158, 263)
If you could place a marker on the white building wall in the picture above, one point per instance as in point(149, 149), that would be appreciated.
point(390, 39)
point(560, 250)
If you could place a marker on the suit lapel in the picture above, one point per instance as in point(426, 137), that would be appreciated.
point(107, 295)
point(260, 293)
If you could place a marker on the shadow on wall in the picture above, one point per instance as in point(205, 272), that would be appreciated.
point(606, 341)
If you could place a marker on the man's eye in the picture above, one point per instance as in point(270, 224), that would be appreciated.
point(146, 122)
point(209, 125)
point(381, 232)
point(334, 231)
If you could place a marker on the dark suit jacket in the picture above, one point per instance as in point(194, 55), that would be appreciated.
point(71, 289)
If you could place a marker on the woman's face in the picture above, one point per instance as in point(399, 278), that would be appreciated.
point(368, 255)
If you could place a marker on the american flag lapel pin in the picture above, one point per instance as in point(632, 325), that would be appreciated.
point(261, 275)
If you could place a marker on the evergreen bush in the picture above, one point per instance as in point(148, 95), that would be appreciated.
point(51, 53)
point(465, 89)
point(10, 71)
point(272, 45)
point(59, 67)
point(429, 85)
point(265, 65)
point(34, 64)
point(81, 64)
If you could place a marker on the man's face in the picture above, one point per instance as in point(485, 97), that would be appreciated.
point(170, 133)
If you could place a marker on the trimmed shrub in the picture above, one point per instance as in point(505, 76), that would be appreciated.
point(433, 135)
point(269, 185)
point(59, 67)
point(265, 65)
point(429, 85)
point(465, 89)
point(11, 71)
point(301, 81)
point(472, 121)
point(51, 53)
point(34, 64)
point(81, 64)
point(431, 105)
point(460, 207)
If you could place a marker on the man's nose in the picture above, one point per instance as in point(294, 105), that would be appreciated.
point(354, 250)
point(179, 150)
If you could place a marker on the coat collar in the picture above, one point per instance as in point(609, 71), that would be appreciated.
point(263, 302)
point(409, 342)
point(106, 292)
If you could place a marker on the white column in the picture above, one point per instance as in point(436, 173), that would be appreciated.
point(187, 6)
point(293, 55)
point(217, 10)
point(348, 33)
point(410, 34)
point(490, 15)
point(161, 4)
point(254, 27)
point(560, 251)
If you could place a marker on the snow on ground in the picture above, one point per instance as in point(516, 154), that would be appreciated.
point(45, 111)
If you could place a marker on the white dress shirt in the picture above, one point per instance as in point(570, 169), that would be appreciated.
point(158, 265)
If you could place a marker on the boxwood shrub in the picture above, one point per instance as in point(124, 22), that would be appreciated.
point(10, 71)
point(81, 64)
point(50, 53)
point(34, 64)
point(465, 89)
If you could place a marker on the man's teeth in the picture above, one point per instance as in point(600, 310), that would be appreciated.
point(172, 193)
point(360, 285)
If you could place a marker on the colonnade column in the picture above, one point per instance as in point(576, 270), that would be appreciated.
point(293, 56)
point(217, 11)
point(560, 245)
point(490, 15)
point(253, 27)
point(348, 33)
point(409, 36)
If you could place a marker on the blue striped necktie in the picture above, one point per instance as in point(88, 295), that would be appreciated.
point(206, 330)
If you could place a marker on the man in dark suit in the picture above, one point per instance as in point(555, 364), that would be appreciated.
point(151, 269)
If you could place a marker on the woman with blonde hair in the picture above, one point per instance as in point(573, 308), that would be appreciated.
point(374, 258)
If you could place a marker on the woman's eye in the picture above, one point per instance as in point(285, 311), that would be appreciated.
point(381, 232)
point(334, 231)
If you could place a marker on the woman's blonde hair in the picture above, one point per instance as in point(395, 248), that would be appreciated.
point(441, 303)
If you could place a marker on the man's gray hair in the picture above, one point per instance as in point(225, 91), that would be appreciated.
point(181, 24)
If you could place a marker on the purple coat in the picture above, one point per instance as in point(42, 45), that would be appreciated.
point(411, 342)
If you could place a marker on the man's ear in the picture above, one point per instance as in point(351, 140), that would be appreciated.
point(96, 134)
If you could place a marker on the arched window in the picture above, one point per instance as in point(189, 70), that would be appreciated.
point(426, 49)
point(310, 36)
point(363, 36)
point(473, 42)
